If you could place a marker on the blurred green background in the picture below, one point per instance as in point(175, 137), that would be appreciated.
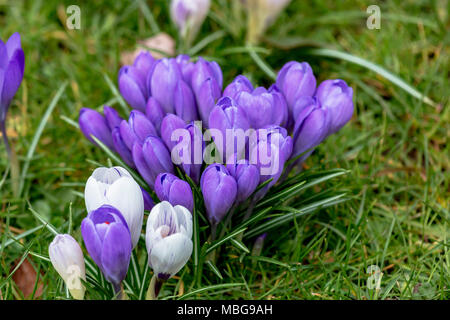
point(396, 147)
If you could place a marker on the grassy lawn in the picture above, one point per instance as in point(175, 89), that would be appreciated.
point(395, 148)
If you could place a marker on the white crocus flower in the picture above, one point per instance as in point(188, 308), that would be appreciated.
point(116, 187)
point(168, 239)
point(67, 258)
point(189, 15)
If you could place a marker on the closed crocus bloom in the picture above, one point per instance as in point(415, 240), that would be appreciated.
point(185, 106)
point(137, 129)
point(280, 104)
point(67, 258)
point(157, 156)
point(311, 128)
point(246, 176)
point(178, 192)
point(229, 117)
point(219, 190)
point(296, 80)
point(206, 98)
point(168, 239)
point(240, 83)
point(186, 67)
point(204, 70)
point(93, 123)
point(337, 97)
point(115, 186)
point(193, 169)
point(141, 165)
point(189, 15)
point(133, 86)
point(108, 242)
point(169, 124)
point(112, 117)
point(154, 113)
point(262, 107)
point(12, 65)
point(121, 148)
point(163, 81)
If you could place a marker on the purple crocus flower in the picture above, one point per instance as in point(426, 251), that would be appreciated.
point(133, 81)
point(12, 65)
point(206, 98)
point(163, 81)
point(121, 148)
point(178, 192)
point(295, 80)
point(246, 176)
point(240, 83)
point(262, 107)
point(136, 129)
point(270, 148)
point(154, 113)
point(108, 242)
point(232, 122)
point(219, 190)
point(195, 150)
point(186, 67)
point(169, 124)
point(311, 128)
point(204, 70)
point(151, 158)
point(93, 123)
point(148, 201)
point(184, 101)
point(337, 97)
point(112, 117)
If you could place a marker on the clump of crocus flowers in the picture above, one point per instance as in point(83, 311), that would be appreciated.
point(188, 135)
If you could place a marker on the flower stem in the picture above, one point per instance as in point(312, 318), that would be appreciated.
point(154, 288)
point(119, 292)
point(15, 169)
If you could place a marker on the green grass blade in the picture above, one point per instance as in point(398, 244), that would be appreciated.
point(38, 134)
point(211, 288)
point(375, 68)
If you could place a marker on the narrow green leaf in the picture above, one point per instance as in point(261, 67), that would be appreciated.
point(214, 269)
point(240, 245)
point(44, 222)
point(206, 41)
point(38, 134)
point(223, 240)
point(116, 94)
point(211, 288)
point(20, 236)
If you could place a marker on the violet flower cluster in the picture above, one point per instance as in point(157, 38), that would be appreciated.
point(287, 121)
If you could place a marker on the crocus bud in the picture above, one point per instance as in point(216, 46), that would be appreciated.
point(296, 80)
point(163, 80)
point(93, 123)
point(112, 117)
point(178, 192)
point(204, 70)
point(206, 98)
point(280, 104)
point(142, 166)
point(337, 97)
point(169, 124)
point(12, 64)
point(156, 156)
point(195, 150)
point(186, 67)
point(263, 108)
point(269, 153)
point(240, 83)
point(246, 176)
point(168, 239)
point(232, 121)
point(219, 190)
point(133, 86)
point(137, 129)
point(108, 242)
point(121, 147)
point(115, 187)
point(67, 258)
point(185, 106)
point(188, 16)
point(154, 113)
point(311, 128)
